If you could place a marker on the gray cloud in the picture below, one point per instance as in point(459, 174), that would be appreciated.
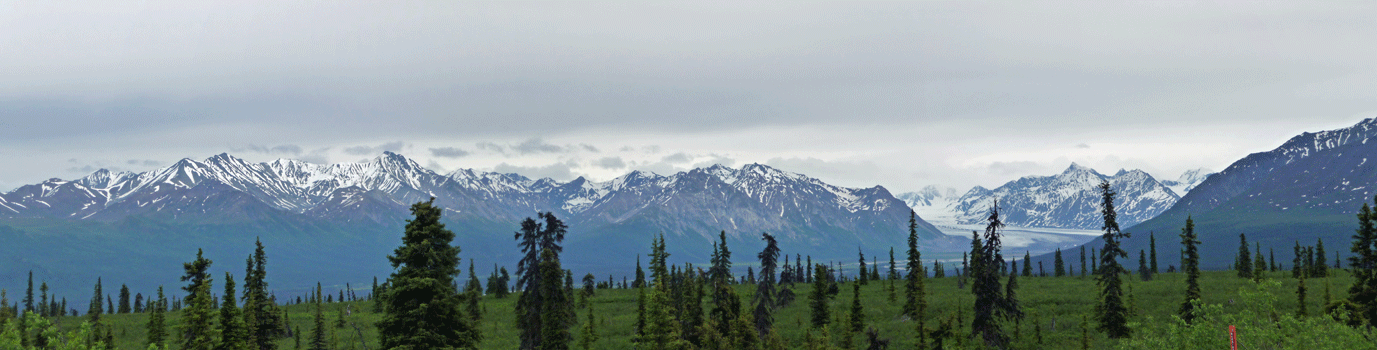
point(610, 163)
point(279, 149)
point(857, 173)
point(589, 148)
point(536, 145)
point(491, 147)
point(373, 150)
point(715, 159)
point(435, 166)
point(626, 149)
point(316, 156)
point(448, 152)
point(86, 169)
point(144, 162)
point(1014, 168)
point(557, 171)
point(680, 157)
point(270, 72)
point(1082, 146)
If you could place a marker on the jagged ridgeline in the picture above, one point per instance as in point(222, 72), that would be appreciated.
point(1307, 189)
point(338, 222)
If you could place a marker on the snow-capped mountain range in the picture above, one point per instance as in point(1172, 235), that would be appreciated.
point(746, 201)
point(350, 210)
point(1067, 200)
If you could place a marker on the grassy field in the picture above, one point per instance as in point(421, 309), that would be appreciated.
point(1055, 306)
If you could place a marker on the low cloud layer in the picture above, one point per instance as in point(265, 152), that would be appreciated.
point(375, 150)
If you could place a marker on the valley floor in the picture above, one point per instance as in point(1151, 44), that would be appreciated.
point(1056, 308)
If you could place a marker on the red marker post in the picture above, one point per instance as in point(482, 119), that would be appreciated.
point(1233, 338)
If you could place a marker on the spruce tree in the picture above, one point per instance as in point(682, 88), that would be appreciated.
point(590, 332)
point(97, 307)
point(1152, 249)
point(1191, 266)
point(893, 275)
point(1244, 264)
point(28, 297)
point(554, 318)
point(1082, 261)
point(1321, 268)
point(991, 302)
point(640, 275)
point(318, 327)
point(726, 305)
point(1271, 260)
point(1027, 267)
point(1300, 298)
point(261, 321)
point(43, 309)
point(198, 326)
point(124, 307)
point(1363, 264)
point(534, 238)
point(233, 336)
point(661, 329)
point(473, 293)
point(157, 329)
point(422, 309)
point(765, 289)
point(1298, 262)
point(864, 276)
point(857, 315)
point(916, 275)
point(1144, 272)
point(1259, 264)
point(1058, 267)
point(1111, 311)
point(818, 298)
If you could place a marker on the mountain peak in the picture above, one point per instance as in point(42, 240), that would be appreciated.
point(1077, 168)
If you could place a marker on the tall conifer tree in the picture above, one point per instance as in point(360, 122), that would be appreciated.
point(198, 326)
point(232, 333)
point(124, 307)
point(1244, 264)
point(261, 321)
point(1083, 260)
point(916, 275)
point(1191, 266)
point(1111, 311)
point(1152, 250)
point(765, 289)
point(157, 329)
point(554, 319)
point(1363, 264)
point(318, 336)
point(1058, 267)
point(97, 307)
point(991, 301)
point(818, 298)
point(422, 309)
point(534, 239)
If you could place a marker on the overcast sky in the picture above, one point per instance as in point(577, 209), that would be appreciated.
point(898, 94)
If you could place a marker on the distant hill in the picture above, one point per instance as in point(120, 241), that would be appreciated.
point(1309, 188)
point(338, 222)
